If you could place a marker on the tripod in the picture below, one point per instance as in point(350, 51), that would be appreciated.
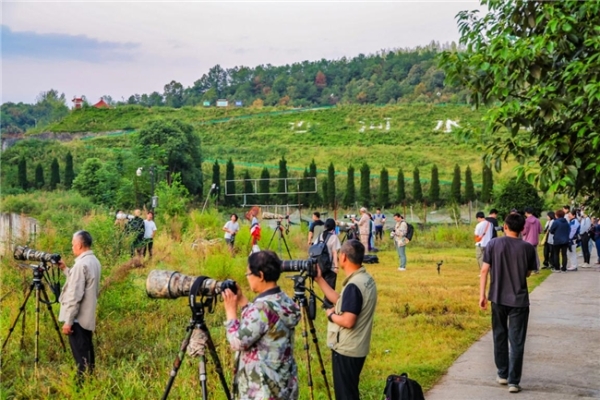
point(197, 322)
point(37, 285)
point(308, 311)
point(280, 238)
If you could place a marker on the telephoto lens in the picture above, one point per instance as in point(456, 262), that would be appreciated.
point(24, 253)
point(162, 284)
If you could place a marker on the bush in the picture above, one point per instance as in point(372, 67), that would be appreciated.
point(518, 194)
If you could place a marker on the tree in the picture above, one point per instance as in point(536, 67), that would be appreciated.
point(518, 194)
point(455, 188)
point(263, 186)
point(305, 185)
point(230, 198)
point(314, 197)
point(383, 197)
point(400, 189)
point(69, 173)
point(486, 191)
point(469, 187)
point(248, 189)
point(97, 180)
point(320, 80)
point(281, 184)
point(173, 93)
point(54, 174)
point(216, 179)
point(331, 196)
point(22, 172)
point(417, 190)
point(350, 196)
point(365, 185)
point(39, 177)
point(434, 188)
point(175, 147)
point(537, 63)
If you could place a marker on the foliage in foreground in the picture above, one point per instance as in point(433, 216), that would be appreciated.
point(137, 337)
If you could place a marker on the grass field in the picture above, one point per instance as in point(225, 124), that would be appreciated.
point(423, 322)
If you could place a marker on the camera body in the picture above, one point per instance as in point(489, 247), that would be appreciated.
point(24, 253)
point(349, 216)
point(162, 284)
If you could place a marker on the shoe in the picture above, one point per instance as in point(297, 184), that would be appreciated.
point(586, 265)
point(502, 381)
point(537, 271)
point(546, 267)
point(555, 270)
point(514, 388)
point(563, 270)
point(572, 269)
point(401, 269)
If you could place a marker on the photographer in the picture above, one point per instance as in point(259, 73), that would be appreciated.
point(231, 228)
point(78, 301)
point(350, 320)
point(136, 228)
point(400, 240)
point(364, 226)
point(333, 246)
point(264, 335)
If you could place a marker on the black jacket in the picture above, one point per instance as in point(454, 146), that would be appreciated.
point(561, 231)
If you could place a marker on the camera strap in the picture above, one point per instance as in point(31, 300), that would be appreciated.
point(194, 290)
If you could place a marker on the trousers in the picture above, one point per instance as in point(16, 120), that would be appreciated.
point(509, 329)
point(83, 349)
point(402, 255)
point(346, 375)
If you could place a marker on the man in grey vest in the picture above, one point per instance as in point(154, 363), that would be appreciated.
point(350, 320)
point(78, 301)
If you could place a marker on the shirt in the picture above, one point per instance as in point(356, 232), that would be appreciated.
point(574, 224)
point(378, 218)
point(532, 230)
point(149, 229)
point(232, 226)
point(484, 228)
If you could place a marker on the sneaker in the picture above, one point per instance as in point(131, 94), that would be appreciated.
point(514, 388)
point(502, 381)
point(536, 271)
point(401, 269)
point(546, 267)
point(563, 270)
point(556, 270)
point(573, 269)
point(586, 265)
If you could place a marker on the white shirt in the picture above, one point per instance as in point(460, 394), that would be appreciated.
point(149, 229)
point(586, 223)
point(480, 229)
point(231, 226)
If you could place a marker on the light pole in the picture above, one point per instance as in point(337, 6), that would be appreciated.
point(152, 172)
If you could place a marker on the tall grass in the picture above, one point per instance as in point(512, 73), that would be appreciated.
point(422, 323)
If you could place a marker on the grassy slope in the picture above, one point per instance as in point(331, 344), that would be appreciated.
point(258, 137)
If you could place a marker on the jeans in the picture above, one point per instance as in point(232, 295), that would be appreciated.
point(548, 255)
point(509, 327)
point(346, 375)
point(402, 254)
point(379, 232)
point(585, 247)
point(560, 250)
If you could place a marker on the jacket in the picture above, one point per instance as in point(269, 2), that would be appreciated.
point(561, 230)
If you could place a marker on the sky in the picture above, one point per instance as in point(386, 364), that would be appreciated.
point(123, 48)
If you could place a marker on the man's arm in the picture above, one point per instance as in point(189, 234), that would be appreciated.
point(482, 285)
point(350, 308)
point(72, 296)
point(345, 320)
point(331, 294)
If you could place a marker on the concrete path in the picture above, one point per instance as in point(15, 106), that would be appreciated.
point(562, 351)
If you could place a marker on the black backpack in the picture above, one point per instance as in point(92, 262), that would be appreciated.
point(410, 230)
point(320, 253)
point(400, 387)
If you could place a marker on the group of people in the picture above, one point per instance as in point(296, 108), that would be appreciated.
point(141, 230)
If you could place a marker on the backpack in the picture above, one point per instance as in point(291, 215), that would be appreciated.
point(370, 259)
point(320, 253)
point(400, 387)
point(410, 230)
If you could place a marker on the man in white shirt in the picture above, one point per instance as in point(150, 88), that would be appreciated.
point(149, 231)
point(584, 232)
point(483, 235)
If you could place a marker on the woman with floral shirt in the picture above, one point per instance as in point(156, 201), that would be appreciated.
point(264, 335)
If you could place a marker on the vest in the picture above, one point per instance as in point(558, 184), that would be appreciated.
point(355, 342)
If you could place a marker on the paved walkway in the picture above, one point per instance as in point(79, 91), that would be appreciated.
point(562, 351)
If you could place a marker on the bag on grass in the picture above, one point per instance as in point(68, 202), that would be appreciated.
point(370, 259)
point(400, 387)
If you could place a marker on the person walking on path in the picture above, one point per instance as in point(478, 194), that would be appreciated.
point(400, 240)
point(483, 234)
point(549, 242)
point(560, 229)
point(532, 231)
point(509, 262)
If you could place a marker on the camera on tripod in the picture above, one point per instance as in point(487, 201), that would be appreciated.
point(349, 216)
point(162, 284)
point(24, 253)
point(308, 267)
point(122, 216)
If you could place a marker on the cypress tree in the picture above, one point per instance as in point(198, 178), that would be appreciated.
point(485, 187)
point(490, 179)
point(22, 174)
point(331, 186)
point(400, 189)
point(54, 174)
point(325, 188)
point(230, 198)
point(350, 196)
point(306, 185)
point(216, 179)
point(365, 185)
point(69, 173)
point(315, 199)
point(39, 177)
point(383, 198)
point(469, 187)
point(281, 184)
point(455, 188)
point(263, 186)
point(417, 190)
point(434, 189)
point(248, 189)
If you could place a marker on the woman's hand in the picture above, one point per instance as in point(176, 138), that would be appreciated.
point(230, 301)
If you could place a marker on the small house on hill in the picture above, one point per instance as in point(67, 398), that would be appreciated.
point(78, 102)
point(101, 104)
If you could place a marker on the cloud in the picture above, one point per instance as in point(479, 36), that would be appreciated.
point(58, 46)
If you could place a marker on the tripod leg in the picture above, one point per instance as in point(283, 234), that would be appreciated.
point(213, 353)
point(311, 324)
point(178, 361)
point(47, 301)
point(272, 237)
point(37, 329)
point(21, 310)
point(306, 349)
point(202, 376)
point(286, 245)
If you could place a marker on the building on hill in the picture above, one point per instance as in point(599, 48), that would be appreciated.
point(78, 102)
point(101, 104)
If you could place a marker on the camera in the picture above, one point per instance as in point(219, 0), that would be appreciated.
point(349, 216)
point(308, 266)
point(122, 216)
point(24, 253)
point(162, 284)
